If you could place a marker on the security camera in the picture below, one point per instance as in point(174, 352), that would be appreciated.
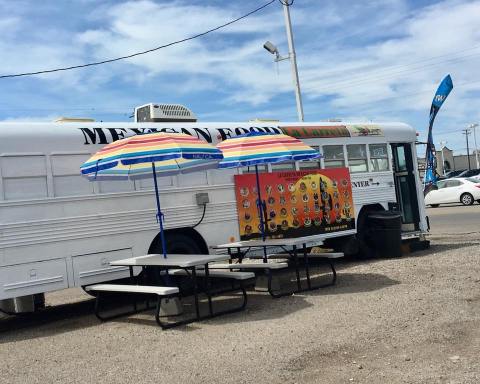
point(270, 48)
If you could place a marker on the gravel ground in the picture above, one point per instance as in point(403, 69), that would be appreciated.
point(410, 320)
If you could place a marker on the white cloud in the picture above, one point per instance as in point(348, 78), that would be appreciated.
point(30, 119)
point(366, 59)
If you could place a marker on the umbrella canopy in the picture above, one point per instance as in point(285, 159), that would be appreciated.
point(261, 148)
point(149, 148)
point(151, 155)
point(144, 170)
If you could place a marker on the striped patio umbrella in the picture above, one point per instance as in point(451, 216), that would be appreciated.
point(260, 148)
point(151, 155)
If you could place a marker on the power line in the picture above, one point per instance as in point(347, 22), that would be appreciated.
point(143, 52)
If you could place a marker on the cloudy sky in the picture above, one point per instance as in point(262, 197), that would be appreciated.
point(378, 60)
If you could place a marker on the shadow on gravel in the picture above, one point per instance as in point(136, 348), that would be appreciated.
point(261, 306)
point(66, 318)
point(50, 321)
point(356, 283)
point(443, 247)
point(70, 317)
point(434, 248)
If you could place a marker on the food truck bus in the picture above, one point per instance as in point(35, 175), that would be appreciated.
point(59, 230)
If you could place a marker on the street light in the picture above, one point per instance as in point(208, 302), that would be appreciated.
point(474, 127)
point(270, 47)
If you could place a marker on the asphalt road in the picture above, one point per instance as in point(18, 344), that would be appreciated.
point(454, 219)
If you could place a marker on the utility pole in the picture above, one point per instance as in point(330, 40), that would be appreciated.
point(467, 132)
point(293, 59)
point(442, 145)
point(474, 127)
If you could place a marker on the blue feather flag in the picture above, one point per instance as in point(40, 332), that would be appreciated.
point(430, 180)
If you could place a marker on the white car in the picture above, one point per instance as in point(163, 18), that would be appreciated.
point(455, 190)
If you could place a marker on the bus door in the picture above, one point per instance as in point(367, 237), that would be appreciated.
point(405, 187)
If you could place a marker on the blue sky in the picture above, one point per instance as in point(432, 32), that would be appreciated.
point(370, 60)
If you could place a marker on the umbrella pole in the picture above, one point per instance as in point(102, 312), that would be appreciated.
point(260, 210)
point(159, 212)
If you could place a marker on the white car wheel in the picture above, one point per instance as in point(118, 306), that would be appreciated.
point(466, 199)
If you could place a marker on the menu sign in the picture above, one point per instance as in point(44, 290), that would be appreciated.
point(298, 203)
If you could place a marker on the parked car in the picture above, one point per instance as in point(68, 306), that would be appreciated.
point(455, 190)
point(469, 173)
point(454, 173)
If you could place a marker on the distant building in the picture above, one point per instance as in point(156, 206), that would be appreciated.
point(461, 161)
point(449, 162)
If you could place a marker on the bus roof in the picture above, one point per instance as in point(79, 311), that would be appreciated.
point(68, 136)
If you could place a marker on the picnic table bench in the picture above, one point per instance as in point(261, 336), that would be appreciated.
point(160, 292)
point(294, 249)
point(194, 267)
point(269, 268)
point(321, 257)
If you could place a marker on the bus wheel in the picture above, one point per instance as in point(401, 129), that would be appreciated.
point(178, 243)
point(348, 245)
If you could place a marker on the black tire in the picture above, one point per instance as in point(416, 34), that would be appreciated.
point(179, 243)
point(365, 243)
point(434, 205)
point(346, 244)
point(466, 199)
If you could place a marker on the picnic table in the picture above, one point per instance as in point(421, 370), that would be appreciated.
point(191, 266)
point(292, 248)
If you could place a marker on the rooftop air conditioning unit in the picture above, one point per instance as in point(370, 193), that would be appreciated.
point(163, 113)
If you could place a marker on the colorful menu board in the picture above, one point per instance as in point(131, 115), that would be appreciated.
point(298, 203)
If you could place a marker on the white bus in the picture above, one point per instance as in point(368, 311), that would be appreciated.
point(58, 230)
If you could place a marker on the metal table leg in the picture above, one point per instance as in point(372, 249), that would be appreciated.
point(307, 269)
point(207, 289)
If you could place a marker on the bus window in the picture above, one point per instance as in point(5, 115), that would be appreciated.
point(221, 176)
point(287, 166)
point(378, 157)
point(193, 179)
point(24, 177)
point(109, 186)
point(357, 158)
point(67, 181)
point(162, 183)
point(313, 164)
point(333, 156)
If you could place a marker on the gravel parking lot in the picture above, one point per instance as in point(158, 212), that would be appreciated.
point(414, 319)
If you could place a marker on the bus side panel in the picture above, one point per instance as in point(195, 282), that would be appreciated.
point(30, 278)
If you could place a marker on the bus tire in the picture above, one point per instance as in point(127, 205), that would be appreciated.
point(348, 245)
point(177, 242)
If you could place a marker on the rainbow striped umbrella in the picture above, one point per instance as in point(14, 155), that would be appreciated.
point(152, 147)
point(153, 154)
point(144, 170)
point(262, 148)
